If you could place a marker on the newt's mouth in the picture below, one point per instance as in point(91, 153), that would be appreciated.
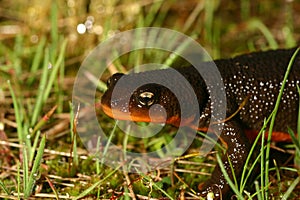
point(131, 116)
point(137, 116)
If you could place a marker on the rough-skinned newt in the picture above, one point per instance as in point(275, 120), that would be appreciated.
point(253, 80)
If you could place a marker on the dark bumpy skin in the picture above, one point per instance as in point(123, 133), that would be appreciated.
point(256, 77)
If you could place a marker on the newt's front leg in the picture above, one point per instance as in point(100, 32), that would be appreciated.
point(237, 151)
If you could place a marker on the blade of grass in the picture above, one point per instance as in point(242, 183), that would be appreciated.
point(245, 9)
point(97, 152)
point(288, 30)
point(117, 64)
point(73, 131)
point(35, 168)
point(106, 30)
point(58, 88)
point(212, 140)
point(257, 24)
point(298, 127)
point(209, 18)
point(263, 160)
point(101, 86)
point(54, 30)
point(108, 142)
point(35, 143)
point(54, 70)
point(126, 195)
point(273, 119)
point(40, 95)
point(87, 191)
point(4, 188)
point(136, 56)
point(16, 54)
point(36, 60)
point(193, 16)
point(161, 16)
point(258, 190)
point(296, 139)
point(229, 181)
point(173, 56)
point(125, 142)
point(233, 174)
point(21, 137)
point(25, 167)
point(18, 179)
point(150, 17)
point(291, 188)
point(243, 178)
point(149, 179)
point(260, 157)
point(249, 174)
point(278, 176)
point(108, 25)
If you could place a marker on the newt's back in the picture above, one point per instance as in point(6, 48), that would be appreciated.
point(258, 77)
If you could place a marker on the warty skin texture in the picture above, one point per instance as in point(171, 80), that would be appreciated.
point(252, 79)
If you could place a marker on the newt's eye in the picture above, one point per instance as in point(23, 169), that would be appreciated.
point(146, 98)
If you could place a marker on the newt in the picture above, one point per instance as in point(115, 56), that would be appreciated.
point(252, 79)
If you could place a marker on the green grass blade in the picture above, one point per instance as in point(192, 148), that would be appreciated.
point(278, 176)
point(33, 148)
point(18, 115)
point(258, 191)
point(209, 19)
point(18, 179)
point(59, 91)
point(263, 173)
point(108, 142)
point(54, 30)
point(243, 178)
point(25, 167)
point(125, 142)
point(257, 24)
point(229, 181)
point(101, 86)
point(16, 54)
point(296, 140)
point(36, 60)
point(249, 174)
point(291, 188)
point(97, 152)
point(74, 153)
point(298, 127)
point(40, 96)
point(54, 71)
point(245, 9)
point(273, 118)
point(87, 191)
point(35, 168)
point(4, 188)
point(161, 16)
point(173, 56)
point(193, 16)
point(149, 19)
point(157, 186)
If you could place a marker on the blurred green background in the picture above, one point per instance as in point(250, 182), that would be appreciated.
point(42, 44)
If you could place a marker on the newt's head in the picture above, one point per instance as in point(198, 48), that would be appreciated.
point(147, 97)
